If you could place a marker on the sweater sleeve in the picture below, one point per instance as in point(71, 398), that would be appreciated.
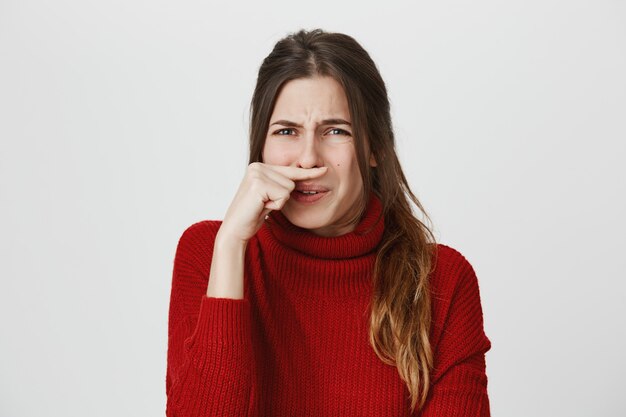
point(209, 355)
point(459, 384)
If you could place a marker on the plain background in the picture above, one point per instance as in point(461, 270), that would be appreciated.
point(123, 122)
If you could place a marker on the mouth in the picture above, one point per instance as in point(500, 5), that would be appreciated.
point(308, 194)
point(310, 187)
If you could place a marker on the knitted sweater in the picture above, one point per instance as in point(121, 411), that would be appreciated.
point(297, 343)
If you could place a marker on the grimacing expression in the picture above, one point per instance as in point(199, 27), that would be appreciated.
point(310, 127)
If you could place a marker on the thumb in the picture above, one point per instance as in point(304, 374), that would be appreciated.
point(273, 205)
point(265, 212)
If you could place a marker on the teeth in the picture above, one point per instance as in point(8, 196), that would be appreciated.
point(309, 192)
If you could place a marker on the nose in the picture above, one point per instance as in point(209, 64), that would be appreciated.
point(310, 156)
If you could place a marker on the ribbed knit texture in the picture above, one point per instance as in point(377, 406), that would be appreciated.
point(297, 343)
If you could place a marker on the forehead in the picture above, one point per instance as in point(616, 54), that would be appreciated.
point(315, 97)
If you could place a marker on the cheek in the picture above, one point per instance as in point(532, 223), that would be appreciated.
point(275, 155)
point(346, 167)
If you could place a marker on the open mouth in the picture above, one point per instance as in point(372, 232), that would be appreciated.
point(307, 196)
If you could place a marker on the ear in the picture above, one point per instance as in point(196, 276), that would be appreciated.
point(372, 160)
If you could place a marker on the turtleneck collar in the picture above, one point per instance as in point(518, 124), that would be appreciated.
point(338, 267)
point(362, 240)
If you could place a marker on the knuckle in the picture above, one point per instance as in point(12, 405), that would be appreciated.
point(254, 175)
point(254, 167)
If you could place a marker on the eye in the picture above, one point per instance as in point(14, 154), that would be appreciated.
point(339, 131)
point(281, 132)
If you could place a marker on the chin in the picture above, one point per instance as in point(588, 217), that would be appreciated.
point(306, 219)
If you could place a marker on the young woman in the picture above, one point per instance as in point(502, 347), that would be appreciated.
point(321, 293)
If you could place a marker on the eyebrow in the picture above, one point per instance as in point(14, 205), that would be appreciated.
point(324, 122)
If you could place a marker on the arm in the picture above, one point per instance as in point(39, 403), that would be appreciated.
point(209, 358)
point(459, 385)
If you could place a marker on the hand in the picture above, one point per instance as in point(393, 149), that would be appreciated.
point(264, 188)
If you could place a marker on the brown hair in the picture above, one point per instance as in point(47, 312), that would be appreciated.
point(400, 316)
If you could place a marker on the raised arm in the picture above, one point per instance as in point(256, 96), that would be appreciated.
point(210, 361)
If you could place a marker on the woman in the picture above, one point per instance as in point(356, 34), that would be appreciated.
point(320, 293)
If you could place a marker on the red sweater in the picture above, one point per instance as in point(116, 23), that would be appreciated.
point(297, 343)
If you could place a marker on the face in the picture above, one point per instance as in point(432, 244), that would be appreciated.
point(311, 127)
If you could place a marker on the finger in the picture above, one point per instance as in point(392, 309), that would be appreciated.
point(274, 205)
point(296, 173)
point(274, 196)
point(265, 212)
point(280, 179)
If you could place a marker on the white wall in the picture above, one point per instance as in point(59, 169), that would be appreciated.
point(123, 122)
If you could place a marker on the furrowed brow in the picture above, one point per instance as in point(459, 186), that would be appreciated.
point(336, 122)
point(285, 123)
point(324, 122)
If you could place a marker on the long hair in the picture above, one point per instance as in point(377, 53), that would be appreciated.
point(400, 316)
